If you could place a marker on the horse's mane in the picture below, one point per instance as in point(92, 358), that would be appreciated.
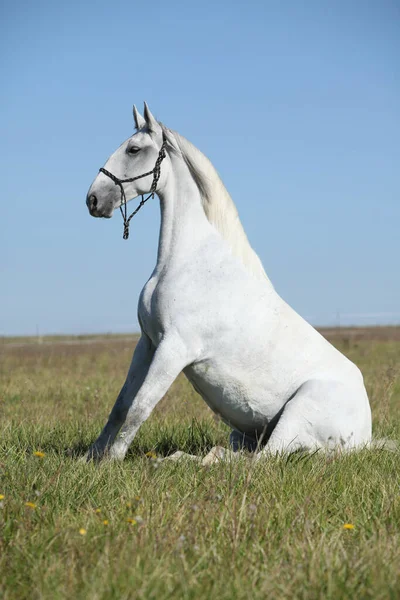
point(217, 203)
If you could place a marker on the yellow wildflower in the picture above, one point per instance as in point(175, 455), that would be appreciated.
point(82, 531)
point(97, 511)
point(131, 521)
point(30, 504)
point(137, 498)
point(39, 454)
point(2, 496)
point(129, 505)
point(151, 454)
point(105, 522)
point(348, 526)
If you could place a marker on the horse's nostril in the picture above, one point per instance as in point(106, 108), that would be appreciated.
point(92, 202)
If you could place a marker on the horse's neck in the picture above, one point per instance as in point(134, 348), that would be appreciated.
point(183, 221)
point(226, 220)
point(219, 208)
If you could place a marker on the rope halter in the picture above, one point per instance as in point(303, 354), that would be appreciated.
point(156, 176)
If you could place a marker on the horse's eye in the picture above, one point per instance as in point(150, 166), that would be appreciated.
point(133, 150)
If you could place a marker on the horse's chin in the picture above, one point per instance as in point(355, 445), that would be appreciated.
point(103, 213)
point(108, 215)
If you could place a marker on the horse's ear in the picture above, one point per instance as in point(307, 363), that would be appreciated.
point(151, 122)
point(137, 117)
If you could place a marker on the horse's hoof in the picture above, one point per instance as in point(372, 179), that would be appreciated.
point(179, 455)
point(93, 455)
point(215, 455)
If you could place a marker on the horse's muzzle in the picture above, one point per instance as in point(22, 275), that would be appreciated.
point(97, 209)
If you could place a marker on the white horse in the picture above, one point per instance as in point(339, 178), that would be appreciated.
point(210, 311)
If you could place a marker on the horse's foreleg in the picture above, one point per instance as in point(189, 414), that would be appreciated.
point(138, 369)
point(167, 362)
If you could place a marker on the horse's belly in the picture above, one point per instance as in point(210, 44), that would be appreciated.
point(233, 400)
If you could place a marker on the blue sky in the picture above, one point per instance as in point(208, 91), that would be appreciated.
point(297, 105)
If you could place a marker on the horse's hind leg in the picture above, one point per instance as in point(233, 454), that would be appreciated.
point(322, 414)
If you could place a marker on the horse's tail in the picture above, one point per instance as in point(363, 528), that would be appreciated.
point(384, 444)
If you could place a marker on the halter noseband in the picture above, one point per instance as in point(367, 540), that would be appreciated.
point(156, 171)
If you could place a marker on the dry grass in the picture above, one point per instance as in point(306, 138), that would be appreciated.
point(229, 531)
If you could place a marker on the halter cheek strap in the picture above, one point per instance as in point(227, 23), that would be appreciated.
point(156, 176)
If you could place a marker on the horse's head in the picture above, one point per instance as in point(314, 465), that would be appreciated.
point(130, 170)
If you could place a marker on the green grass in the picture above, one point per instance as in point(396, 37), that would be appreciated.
point(271, 530)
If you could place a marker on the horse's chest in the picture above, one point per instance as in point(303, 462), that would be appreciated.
point(145, 312)
point(155, 310)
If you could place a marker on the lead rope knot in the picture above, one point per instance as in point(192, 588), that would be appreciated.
point(125, 235)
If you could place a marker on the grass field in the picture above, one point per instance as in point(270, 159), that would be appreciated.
point(304, 527)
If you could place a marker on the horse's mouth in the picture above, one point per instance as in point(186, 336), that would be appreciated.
point(102, 213)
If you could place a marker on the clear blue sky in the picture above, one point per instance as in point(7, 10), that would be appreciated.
point(300, 98)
